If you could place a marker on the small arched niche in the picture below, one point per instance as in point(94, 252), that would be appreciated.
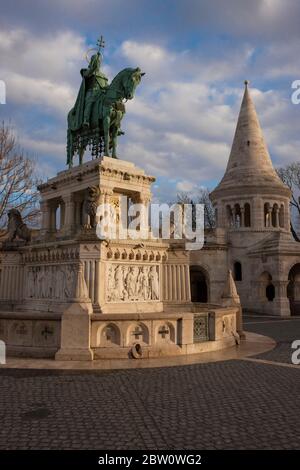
point(108, 336)
point(237, 271)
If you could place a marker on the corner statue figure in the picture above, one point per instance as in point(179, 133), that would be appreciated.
point(95, 119)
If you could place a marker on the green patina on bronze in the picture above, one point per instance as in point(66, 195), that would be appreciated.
point(96, 117)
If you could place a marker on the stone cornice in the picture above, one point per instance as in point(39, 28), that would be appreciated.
point(100, 168)
point(254, 190)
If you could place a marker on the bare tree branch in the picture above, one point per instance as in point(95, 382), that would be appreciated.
point(18, 179)
point(202, 197)
point(290, 175)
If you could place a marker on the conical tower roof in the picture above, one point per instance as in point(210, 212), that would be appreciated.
point(249, 162)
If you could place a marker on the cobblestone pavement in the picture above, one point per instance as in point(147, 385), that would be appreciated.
point(284, 331)
point(234, 404)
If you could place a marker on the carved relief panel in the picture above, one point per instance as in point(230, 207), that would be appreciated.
point(129, 283)
point(51, 282)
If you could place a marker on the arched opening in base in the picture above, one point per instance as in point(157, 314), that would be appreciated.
point(199, 284)
point(293, 289)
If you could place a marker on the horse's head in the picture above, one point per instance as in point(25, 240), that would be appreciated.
point(131, 81)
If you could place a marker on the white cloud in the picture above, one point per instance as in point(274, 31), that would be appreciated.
point(181, 123)
point(185, 186)
point(41, 71)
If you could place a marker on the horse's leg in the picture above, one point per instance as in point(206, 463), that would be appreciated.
point(117, 125)
point(114, 137)
point(106, 126)
point(81, 153)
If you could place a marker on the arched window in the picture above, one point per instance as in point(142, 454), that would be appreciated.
point(293, 289)
point(267, 289)
point(247, 215)
point(237, 216)
point(270, 292)
point(237, 269)
point(199, 284)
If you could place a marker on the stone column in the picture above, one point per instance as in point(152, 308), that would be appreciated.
point(281, 304)
point(232, 217)
point(69, 212)
point(269, 219)
point(257, 213)
point(53, 208)
point(76, 324)
point(144, 200)
point(242, 221)
point(277, 216)
point(287, 215)
point(230, 298)
point(46, 217)
point(77, 214)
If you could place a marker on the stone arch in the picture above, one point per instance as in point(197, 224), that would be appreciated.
point(293, 289)
point(137, 332)
point(247, 215)
point(237, 271)
point(165, 332)
point(199, 281)
point(109, 335)
point(267, 288)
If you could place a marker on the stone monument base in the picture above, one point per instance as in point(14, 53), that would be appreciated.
point(70, 295)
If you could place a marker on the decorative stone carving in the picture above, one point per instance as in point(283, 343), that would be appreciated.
point(52, 282)
point(137, 333)
point(132, 283)
point(46, 334)
point(20, 333)
point(16, 227)
point(90, 205)
point(165, 333)
point(109, 335)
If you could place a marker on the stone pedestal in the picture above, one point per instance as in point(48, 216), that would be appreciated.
point(76, 334)
point(230, 298)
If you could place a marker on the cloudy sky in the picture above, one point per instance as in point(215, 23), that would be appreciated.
point(196, 55)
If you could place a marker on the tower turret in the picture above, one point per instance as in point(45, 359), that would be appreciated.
point(250, 195)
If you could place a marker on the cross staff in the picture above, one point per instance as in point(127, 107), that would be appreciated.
point(100, 43)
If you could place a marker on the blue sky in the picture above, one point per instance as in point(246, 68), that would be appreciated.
point(196, 55)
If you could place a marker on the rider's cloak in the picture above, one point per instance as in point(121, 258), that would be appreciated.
point(75, 117)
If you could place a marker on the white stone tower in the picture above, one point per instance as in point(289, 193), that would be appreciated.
point(251, 197)
point(252, 206)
